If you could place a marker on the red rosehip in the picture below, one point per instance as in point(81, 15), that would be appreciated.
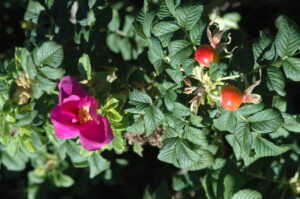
point(206, 54)
point(231, 97)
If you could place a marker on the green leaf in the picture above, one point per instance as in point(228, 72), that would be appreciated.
point(155, 53)
point(167, 152)
point(17, 163)
point(280, 103)
point(114, 24)
point(175, 75)
point(164, 28)
point(172, 133)
point(170, 5)
point(177, 152)
point(97, 164)
point(148, 23)
point(229, 186)
point(139, 30)
point(137, 97)
point(137, 127)
point(118, 142)
point(179, 51)
point(153, 118)
point(138, 149)
point(155, 47)
point(164, 31)
point(247, 194)
point(250, 109)
point(178, 183)
point(266, 121)
point(49, 54)
point(84, 66)
point(37, 92)
point(169, 98)
point(52, 73)
point(185, 156)
point(188, 15)
point(73, 151)
point(227, 122)
point(276, 80)
point(291, 68)
point(243, 130)
point(163, 11)
point(196, 120)
point(29, 66)
point(34, 8)
point(195, 136)
point(235, 141)
point(290, 123)
point(263, 48)
point(214, 71)
point(180, 110)
point(197, 31)
point(45, 84)
point(114, 115)
point(62, 180)
point(265, 148)
point(13, 147)
point(288, 37)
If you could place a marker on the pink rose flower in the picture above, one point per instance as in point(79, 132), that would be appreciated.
point(76, 115)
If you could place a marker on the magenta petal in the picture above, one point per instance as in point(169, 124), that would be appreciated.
point(64, 129)
point(93, 109)
point(69, 86)
point(94, 136)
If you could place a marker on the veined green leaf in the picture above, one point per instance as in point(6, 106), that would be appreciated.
point(266, 121)
point(97, 164)
point(247, 194)
point(265, 148)
point(188, 15)
point(196, 136)
point(276, 80)
point(288, 37)
point(48, 54)
point(136, 97)
point(291, 68)
point(52, 73)
point(179, 51)
point(84, 66)
point(153, 118)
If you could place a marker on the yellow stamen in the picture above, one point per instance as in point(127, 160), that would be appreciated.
point(84, 115)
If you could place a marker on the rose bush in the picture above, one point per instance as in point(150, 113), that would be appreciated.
point(168, 99)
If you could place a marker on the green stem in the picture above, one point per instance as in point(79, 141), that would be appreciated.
point(284, 192)
point(229, 77)
point(267, 179)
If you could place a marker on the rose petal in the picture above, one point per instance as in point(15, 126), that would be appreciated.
point(93, 109)
point(64, 129)
point(91, 102)
point(69, 86)
point(94, 136)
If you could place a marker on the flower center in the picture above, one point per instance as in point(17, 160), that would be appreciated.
point(83, 114)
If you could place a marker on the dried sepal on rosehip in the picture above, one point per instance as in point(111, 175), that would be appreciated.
point(216, 35)
point(208, 53)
